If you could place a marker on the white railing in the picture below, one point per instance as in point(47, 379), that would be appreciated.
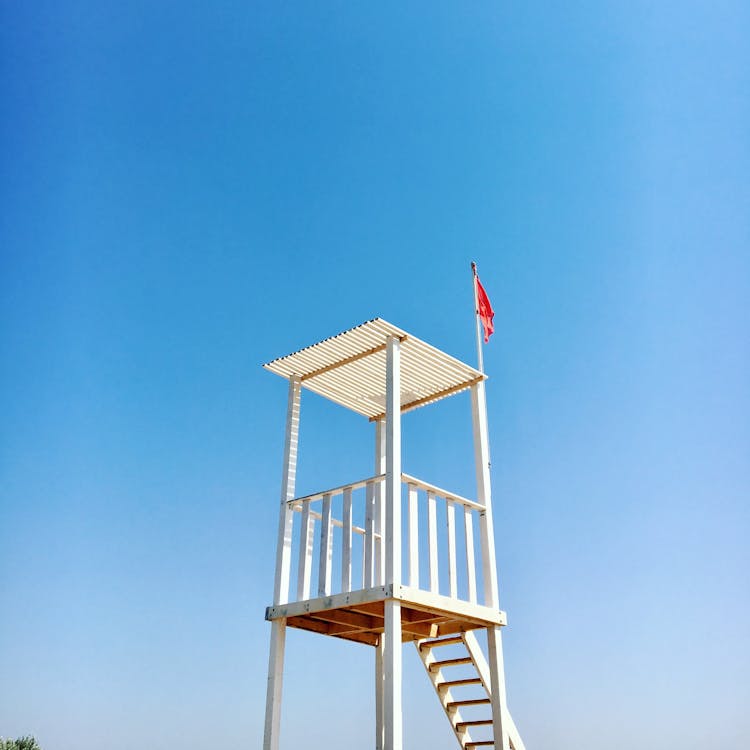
point(340, 529)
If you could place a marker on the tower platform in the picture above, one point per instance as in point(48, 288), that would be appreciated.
point(359, 615)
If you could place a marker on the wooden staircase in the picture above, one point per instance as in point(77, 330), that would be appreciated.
point(469, 690)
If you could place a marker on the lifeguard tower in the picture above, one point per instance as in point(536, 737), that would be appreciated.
point(340, 570)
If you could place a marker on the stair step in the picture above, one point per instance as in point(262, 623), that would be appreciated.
point(461, 725)
point(458, 683)
point(450, 663)
point(450, 640)
point(480, 743)
point(469, 702)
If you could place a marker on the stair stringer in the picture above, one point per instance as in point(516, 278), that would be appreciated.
point(483, 671)
point(444, 695)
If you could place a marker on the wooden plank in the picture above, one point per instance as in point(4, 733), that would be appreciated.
point(326, 549)
point(346, 549)
point(432, 544)
point(450, 515)
point(413, 536)
point(322, 628)
point(349, 618)
point(471, 571)
point(305, 553)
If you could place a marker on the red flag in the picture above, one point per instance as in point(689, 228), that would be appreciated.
point(486, 313)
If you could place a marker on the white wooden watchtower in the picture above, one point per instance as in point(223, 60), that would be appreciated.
point(339, 566)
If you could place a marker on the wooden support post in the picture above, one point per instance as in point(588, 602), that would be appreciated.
point(379, 695)
point(392, 653)
point(489, 571)
point(378, 575)
point(283, 566)
point(392, 648)
point(273, 689)
point(288, 478)
point(484, 494)
point(497, 690)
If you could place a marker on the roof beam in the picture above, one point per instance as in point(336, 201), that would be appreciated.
point(435, 396)
point(348, 360)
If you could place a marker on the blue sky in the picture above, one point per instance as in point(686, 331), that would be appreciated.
point(191, 191)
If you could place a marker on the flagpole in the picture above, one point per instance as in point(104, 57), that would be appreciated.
point(480, 354)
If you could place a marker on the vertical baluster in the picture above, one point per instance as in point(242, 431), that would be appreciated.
point(346, 550)
point(432, 541)
point(471, 571)
point(369, 553)
point(305, 553)
point(450, 515)
point(326, 549)
point(377, 534)
point(413, 537)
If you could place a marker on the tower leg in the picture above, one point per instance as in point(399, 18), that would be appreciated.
point(392, 653)
point(497, 679)
point(273, 693)
point(379, 695)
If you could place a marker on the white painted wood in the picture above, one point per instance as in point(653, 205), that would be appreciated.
point(450, 516)
point(337, 490)
point(379, 696)
point(455, 608)
point(393, 462)
point(379, 503)
point(483, 670)
point(273, 687)
point(288, 477)
point(444, 695)
point(369, 546)
point(471, 572)
point(497, 688)
point(359, 384)
point(440, 492)
point(346, 548)
point(326, 549)
point(305, 553)
point(413, 536)
point(392, 669)
point(432, 543)
point(484, 494)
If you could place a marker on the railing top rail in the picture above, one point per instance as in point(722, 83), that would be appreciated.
point(439, 492)
point(337, 490)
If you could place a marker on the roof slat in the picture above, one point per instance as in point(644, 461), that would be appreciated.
point(349, 369)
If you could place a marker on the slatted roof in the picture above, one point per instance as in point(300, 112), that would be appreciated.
point(349, 368)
